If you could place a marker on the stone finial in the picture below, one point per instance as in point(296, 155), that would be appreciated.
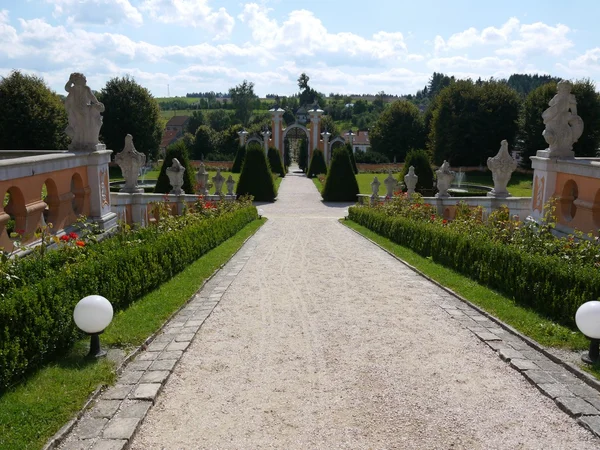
point(410, 180)
point(502, 166)
point(218, 181)
point(390, 184)
point(445, 176)
point(130, 161)
point(375, 188)
point(83, 111)
point(563, 126)
point(230, 184)
point(202, 180)
point(175, 174)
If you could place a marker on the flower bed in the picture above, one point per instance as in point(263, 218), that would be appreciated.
point(552, 275)
point(40, 292)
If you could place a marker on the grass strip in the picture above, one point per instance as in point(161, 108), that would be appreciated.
point(526, 321)
point(35, 410)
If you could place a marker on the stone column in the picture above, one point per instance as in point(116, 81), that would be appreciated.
point(315, 128)
point(266, 135)
point(326, 134)
point(277, 117)
point(242, 134)
point(97, 171)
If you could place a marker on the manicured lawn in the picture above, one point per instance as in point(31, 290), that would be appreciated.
point(527, 321)
point(36, 409)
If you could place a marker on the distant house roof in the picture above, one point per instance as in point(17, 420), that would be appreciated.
point(178, 121)
point(361, 137)
point(168, 138)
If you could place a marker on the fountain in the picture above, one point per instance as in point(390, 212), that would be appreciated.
point(459, 179)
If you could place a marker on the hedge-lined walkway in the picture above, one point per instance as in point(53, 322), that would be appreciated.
point(325, 341)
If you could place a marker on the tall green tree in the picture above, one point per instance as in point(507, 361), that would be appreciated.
point(399, 129)
point(130, 109)
point(196, 119)
point(243, 99)
point(204, 142)
point(32, 117)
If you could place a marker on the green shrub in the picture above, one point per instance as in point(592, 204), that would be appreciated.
point(341, 184)
point(238, 162)
point(303, 155)
point(256, 178)
point(419, 159)
point(317, 164)
point(177, 150)
point(275, 161)
point(287, 157)
point(352, 158)
point(36, 320)
point(549, 284)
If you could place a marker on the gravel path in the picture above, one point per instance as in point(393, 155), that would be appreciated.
point(325, 341)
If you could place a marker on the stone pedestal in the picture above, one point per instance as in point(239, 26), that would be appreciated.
point(544, 182)
point(97, 171)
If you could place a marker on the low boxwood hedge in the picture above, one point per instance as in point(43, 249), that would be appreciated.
point(548, 284)
point(36, 320)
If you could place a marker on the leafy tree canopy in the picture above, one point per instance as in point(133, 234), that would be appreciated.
point(243, 99)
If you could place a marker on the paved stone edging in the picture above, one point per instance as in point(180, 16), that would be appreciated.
point(574, 391)
point(110, 418)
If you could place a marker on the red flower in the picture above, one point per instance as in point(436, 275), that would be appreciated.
point(444, 222)
point(21, 232)
point(73, 235)
point(65, 238)
point(432, 217)
point(80, 244)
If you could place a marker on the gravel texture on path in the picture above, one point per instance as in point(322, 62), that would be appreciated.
point(325, 341)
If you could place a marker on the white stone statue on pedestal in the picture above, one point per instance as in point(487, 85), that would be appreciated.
point(375, 188)
point(230, 184)
point(563, 126)
point(175, 174)
point(83, 111)
point(130, 161)
point(202, 180)
point(410, 180)
point(218, 181)
point(390, 184)
point(502, 166)
point(445, 176)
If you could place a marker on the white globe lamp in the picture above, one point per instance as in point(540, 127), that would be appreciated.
point(587, 319)
point(92, 315)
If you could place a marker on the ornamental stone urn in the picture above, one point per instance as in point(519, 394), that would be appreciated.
point(445, 176)
point(175, 174)
point(130, 161)
point(390, 184)
point(375, 188)
point(410, 180)
point(202, 180)
point(230, 184)
point(502, 166)
point(218, 181)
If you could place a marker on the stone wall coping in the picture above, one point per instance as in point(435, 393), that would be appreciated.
point(585, 167)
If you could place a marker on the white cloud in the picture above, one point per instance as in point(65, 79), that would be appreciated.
point(539, 38)
point(195, 13)
point(471, 37)
point(97, 12)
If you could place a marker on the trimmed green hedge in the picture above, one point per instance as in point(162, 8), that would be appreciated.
point(275, 161)
point(256, 178)
point(36, 321)
point(317, 164)
point(341, 184)
point(547, 284)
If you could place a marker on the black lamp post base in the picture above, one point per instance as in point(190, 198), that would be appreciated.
point(95, 349)
point(591, 357)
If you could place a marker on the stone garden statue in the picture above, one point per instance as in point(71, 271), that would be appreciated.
point(410, 180)
point(130, 161)
point(375, 188)
point(202, 180)
point(390, 184)
point(502, 166)
point(175, 174)
point(563, 126)
point(445, 176)
point(230, 184)
point(83, 111)
point(218, 181)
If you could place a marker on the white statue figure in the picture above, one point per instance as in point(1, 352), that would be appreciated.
point(230, 184)
point(410, 180)
point(502, 166)
point(130, 161)
point(563, 126)
point(218, 181)
point(390, 184)
point(202, 180)
point(175, 174)
point(375, 188)
point(445, 176)
point(83, 110)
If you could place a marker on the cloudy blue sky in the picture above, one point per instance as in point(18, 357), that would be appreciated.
point(344, 46)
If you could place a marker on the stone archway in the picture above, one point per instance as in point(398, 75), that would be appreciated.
point(293, 137)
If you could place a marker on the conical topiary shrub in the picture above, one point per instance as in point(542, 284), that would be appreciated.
point(275, 161)
point(422, 164)
point(317, 164)
point(303, 155)
point(287, 157)
point(239, 159)
point(341, 184)
point(256, 178)
point(177, 150)
point(352, 159)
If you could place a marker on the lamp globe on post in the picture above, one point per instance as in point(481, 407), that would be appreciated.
point(92, 315)
point(587, 319)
